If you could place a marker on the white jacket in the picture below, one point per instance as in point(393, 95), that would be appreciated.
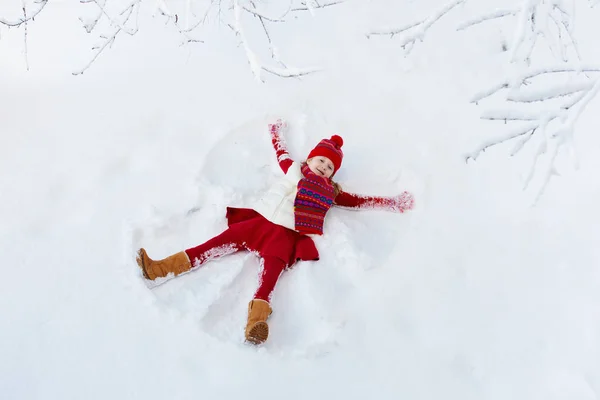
point(277, 204)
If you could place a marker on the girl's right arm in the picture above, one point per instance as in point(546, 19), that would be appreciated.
point(283, 156)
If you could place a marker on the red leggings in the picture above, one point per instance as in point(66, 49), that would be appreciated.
point(229, 242)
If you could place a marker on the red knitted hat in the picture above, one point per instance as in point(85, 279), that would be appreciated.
point(330, 148)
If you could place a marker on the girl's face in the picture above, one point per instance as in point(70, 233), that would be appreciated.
point(321, 166)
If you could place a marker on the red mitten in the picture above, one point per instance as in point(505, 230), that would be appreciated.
point(403, 202)
point(277, 126)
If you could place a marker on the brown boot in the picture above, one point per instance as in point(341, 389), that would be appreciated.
point(177, 264)
point(257, 330)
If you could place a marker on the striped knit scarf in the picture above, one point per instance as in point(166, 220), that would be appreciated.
point(313, 200)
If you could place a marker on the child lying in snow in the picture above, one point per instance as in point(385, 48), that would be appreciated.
point(280, 226)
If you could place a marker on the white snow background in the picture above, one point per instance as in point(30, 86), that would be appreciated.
point(478, 293)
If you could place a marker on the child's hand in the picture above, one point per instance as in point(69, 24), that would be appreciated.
point(403, 202)
point(278, 126)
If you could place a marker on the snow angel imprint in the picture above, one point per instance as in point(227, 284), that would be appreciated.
point(279, 226)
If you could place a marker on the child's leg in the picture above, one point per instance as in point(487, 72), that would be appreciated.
point(226, 243)
point(257, 329)
point(272, 269)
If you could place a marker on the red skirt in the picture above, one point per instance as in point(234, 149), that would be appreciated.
point(256, 233)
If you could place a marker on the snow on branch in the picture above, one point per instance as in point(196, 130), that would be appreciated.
point(487, 17)
point(234, 10)
point(522, 78)
point(27, 16)
point(548, 113)
point(546, 19)
point(526, 130)
point(415, 31)
point(253, 10)
point(122, 25)
point(550, 92)
point(553, 126)
point(118, 26)
point(255, 64)
point(312, 5)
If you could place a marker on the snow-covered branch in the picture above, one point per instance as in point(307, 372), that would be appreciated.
point(236, 11)
point(562, 102)
point(415, 31)
point(252, 10)
point(553, 126)
point(117, 25)
point(312, 5)
point(27, 15)
point(496, 14)
point(525, 76)
point(255, 64)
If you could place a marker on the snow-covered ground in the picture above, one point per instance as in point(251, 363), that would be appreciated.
point(475, 294)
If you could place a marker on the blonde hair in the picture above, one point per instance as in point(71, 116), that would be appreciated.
point(337, 188)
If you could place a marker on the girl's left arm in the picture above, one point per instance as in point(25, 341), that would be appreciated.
point(400, 203)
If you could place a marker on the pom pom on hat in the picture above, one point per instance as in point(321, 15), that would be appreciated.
point(330, 148)
point(339, 142)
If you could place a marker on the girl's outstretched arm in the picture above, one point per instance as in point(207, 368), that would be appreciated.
point(283, 156)
point(400, 203)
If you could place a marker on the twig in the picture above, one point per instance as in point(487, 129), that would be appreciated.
point(25, 34)
point(106, 43)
